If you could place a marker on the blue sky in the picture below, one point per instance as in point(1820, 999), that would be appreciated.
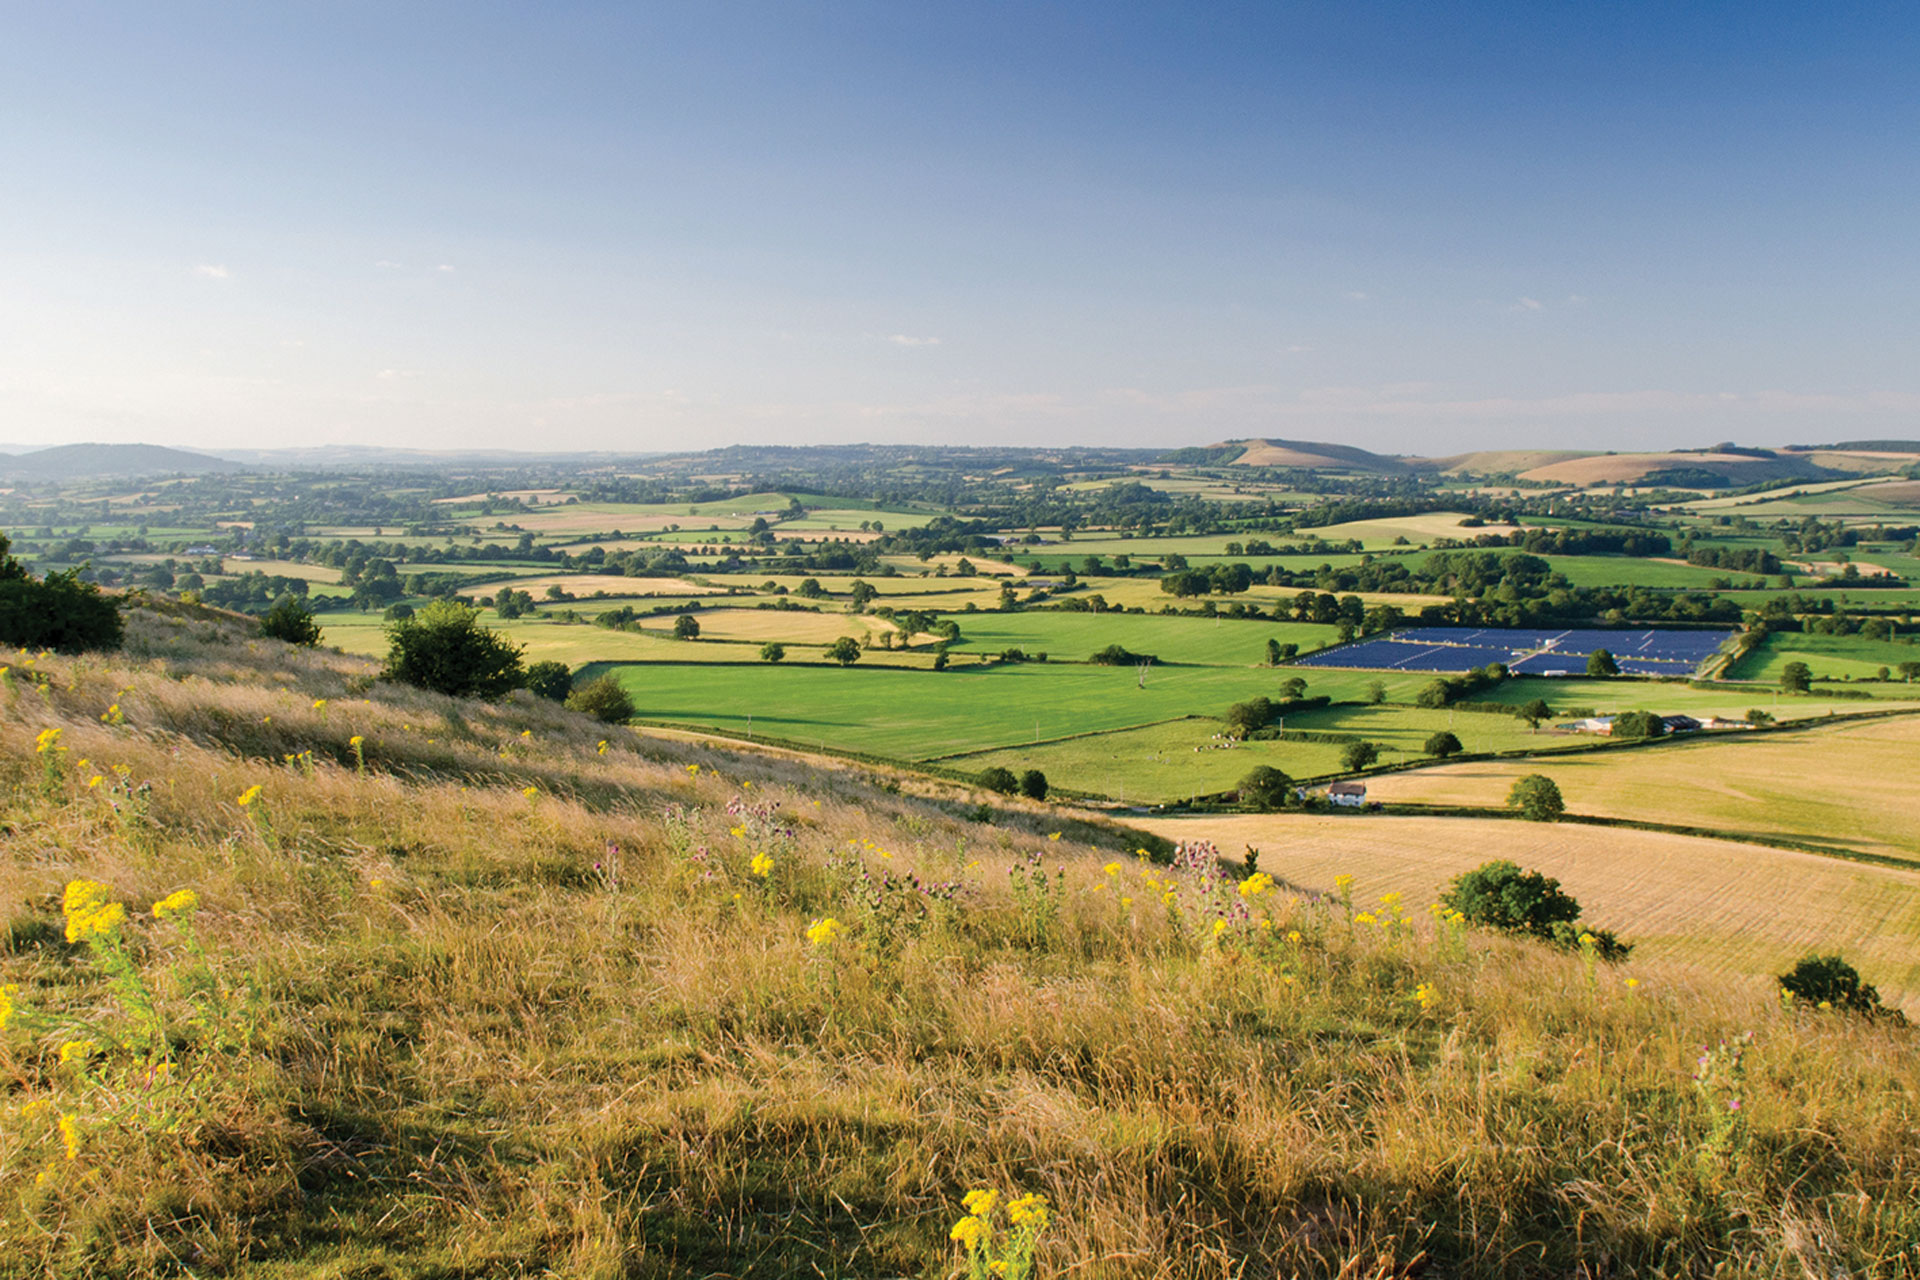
point(1418, 228)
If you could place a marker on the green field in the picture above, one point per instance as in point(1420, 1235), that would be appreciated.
point(1168, 762)
point(1830, 657)
point(1073, 637)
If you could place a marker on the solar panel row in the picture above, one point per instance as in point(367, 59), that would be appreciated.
point(1649, 652)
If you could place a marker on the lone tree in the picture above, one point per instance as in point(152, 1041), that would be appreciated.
point(291, 621)
point(551, 680)
point(1442, 744)
point(1000, 780)
point(1634, 726)
point(444, 648)
point(1537, 798)
point(1265, 788)
point(686, 627)
point(1830, 982)
point(1033, 785)
point(1535, 712)
point(1244, 717)
point(845, 651)
point(773, 651)
point(1376, 692)
point(1273, 653)
point(1359, 755)
point(1600, 663)
point(605, 699)
point(1796, 677)
point(55, 612)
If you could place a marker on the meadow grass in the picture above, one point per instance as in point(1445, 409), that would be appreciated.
point(1830, 658)
point(508, 1004)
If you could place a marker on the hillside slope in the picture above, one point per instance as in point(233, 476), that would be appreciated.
point(475, 990)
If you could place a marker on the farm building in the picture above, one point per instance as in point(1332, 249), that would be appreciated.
point(1681, 724)
point(1351, 794)
point(1592, 724)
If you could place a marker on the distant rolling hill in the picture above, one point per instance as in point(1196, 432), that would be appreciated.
point(1688, 470)
point(77, 461)
point(1313, 454)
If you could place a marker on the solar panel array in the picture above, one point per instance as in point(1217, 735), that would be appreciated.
point(1535, 653)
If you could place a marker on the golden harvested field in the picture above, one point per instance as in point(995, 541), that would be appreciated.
point(1846, 786)
point(797, 627)
point(583, 585)
point(1421, 528)
point(1727, 907)
point(1629, 468)
point(280, 569)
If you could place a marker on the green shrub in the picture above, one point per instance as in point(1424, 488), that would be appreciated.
point(998, 779)
point(551, 680)
point(291, 621)
point(1358, 756)
point(1033, 785)
point(1633, 726)
point(1441, 745)
point(1499, 895)
point(1830, 982)
point(55, 612)
point(444, 648)
point(605, 699)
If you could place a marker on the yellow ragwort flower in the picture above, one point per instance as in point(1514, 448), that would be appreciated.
point(1426, 995)
point(1219, 927)
point(1112, 868)
point(70, 1134)
point(81, 1049)
point(1256, 884)
point(1028, 1209)
point(96, 923)
point(969, 1231)
point(980, 1203)
point(823, 931)
point(761, 866)
point(179, 902)
point(1053, 835)
point(1365, 917)
point(248, 796)
point(48, 740)
point(355, 740)
point(7, 993)
point(83, 895)
point(95, 781)
point(319, 704)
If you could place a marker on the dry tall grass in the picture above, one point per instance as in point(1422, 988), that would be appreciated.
point(471, 1031)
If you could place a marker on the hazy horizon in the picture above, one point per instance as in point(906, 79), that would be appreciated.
point(1417, 230)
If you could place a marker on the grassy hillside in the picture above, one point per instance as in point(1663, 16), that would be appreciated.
point(465, 993)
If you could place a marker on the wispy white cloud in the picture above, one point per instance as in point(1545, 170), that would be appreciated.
point(1528, 304)
point(446, 267)
point(1358, 295)
point(213, 271)
point(908, 340)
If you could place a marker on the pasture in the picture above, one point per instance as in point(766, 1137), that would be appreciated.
point(1830, 657)
point(1737, 910)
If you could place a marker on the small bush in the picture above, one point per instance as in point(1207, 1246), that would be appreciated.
point(1033, 785)
point(1830, 982)
point(998, 779)
point(686, 627)
point(605, 699)
point(292, 621)
point(1358, 756)
point(1499, 895)
point(550, 680)
point(444, 648)
point(1441, 745)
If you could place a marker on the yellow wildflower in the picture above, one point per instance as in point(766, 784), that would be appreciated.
point(969, 1231)
point(526, 733)
point(1126, 902)
point(1426, 995)
point(693, 770)
point(1112, 868)
point(376, 883)
point(95, 923)
point(1167, 897)
point(1028, 1208)
point(761, 866)
point(83, 895)
point(1054, 835)
point(49, 740)
point(355, 740)
point(530, 792)
point(1293, 935)
point(81, 1049)
point(737, 832)
point(981, 1203)
point(319, 704)
point(248, 796)
point(7, 993)
point(95, 781)
point(1219, 927)
point(602, 748)
point(1365, 917)
point(1632, 983)
point(70, 1134)
point(1256, 884)
point(823, 931)
point(177, 903)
